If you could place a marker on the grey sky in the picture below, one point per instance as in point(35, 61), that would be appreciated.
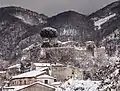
point(52, 7)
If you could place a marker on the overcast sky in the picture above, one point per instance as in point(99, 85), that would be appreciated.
point(52, 7)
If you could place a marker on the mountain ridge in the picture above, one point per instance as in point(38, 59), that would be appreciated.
point(71, 25)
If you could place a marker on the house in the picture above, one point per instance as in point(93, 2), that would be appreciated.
point(27, 78)
point(37, 86)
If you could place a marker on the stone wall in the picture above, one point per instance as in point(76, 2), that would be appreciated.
point(63, 73)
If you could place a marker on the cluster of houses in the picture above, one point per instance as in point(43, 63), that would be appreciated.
point(46, 76)
point(41, 76)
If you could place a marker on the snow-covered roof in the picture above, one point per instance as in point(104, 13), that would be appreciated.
point(56, 83)
point(44, 84)
point(14, 66)
point(47, 64)
point(16, 88)
point(33, 73)
point(45, 76)
point(41, 64)
point(57, 64)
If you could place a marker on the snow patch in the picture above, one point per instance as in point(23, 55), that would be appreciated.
point(23, 19)
point(15, 66)
point(103, 20)
point(42, 21)
point(29, 47)
point(69, 32)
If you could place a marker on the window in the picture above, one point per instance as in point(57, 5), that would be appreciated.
point(20, 82)
point(73, 72)
point(15, 82)
point(25, 82)
point(55, 80)
point(46, 81)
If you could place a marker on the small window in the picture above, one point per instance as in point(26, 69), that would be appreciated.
point(15, 82)
point(20, 82)
point(46, 81)
point(55, 80)
point(25, 82)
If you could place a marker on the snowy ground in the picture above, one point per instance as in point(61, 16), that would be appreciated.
point(79, 85)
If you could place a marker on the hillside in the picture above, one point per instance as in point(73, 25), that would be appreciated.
point(20, 28)
point(107, 26)
point(15, 25)
point(72, 26)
